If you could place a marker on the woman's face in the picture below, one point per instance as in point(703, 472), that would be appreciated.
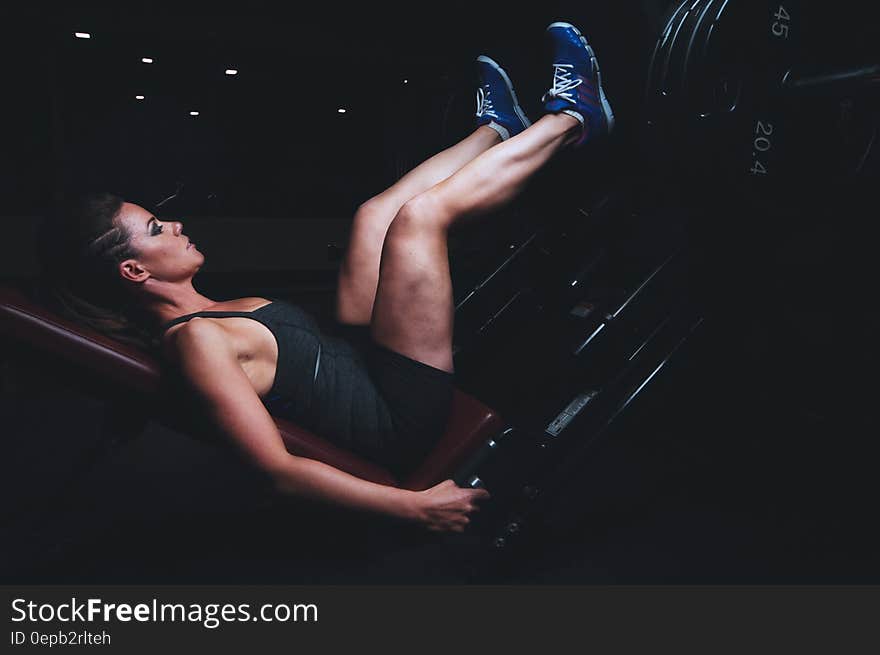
point(164, 252)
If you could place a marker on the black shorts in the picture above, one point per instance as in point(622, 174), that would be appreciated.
point(418, 397)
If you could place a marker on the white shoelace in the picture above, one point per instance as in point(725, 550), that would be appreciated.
point(562, 83)
point(484, 103)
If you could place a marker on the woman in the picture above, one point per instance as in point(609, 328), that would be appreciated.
point(248, 358)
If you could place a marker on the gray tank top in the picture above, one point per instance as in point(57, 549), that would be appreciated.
point(321, 382)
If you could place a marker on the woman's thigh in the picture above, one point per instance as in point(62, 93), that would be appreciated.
point(413, 312)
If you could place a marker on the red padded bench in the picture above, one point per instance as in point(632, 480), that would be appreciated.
point(470, 424)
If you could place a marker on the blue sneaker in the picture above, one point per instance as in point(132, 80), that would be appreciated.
point(577, 83)
point(497, 105)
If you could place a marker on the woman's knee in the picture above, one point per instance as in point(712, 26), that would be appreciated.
point(421, 215)
point(373, 216)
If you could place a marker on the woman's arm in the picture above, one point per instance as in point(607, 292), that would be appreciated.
point(208, 363)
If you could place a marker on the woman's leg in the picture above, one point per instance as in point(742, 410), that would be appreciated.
point(359, 273)
point(413, 309)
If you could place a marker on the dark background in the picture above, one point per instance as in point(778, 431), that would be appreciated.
point(753, 461)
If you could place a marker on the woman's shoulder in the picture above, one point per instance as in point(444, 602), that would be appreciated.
point(185, 334)
point(247, 304)
point(191, 333)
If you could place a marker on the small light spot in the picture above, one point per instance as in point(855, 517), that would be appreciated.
point(147, 60)
point(193, 113)
point(139, 97)
point(341, 110)
point(406, 81)
point(231, 71)
point(82, 35)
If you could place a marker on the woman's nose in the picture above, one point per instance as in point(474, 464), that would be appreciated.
point(178, 228)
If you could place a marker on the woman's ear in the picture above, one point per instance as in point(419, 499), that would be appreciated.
point(130, 269)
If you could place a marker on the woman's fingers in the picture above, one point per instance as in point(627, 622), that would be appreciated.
point(452, 505)
point(480, 494)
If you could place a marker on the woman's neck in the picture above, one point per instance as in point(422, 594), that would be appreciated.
point(173, 300)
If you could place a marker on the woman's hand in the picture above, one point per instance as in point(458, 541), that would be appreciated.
point(445, 507)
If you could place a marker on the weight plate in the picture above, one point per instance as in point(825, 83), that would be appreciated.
point(717, 113)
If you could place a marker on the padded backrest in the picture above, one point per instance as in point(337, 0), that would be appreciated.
point(470, 424)
point(25, 320)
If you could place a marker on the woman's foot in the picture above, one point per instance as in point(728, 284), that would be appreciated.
point(497, 106)
point(577, 83)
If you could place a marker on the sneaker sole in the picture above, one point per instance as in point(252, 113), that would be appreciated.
point(500, 71)
point(606, 106)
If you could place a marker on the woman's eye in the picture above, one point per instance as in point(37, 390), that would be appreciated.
point(157, 229)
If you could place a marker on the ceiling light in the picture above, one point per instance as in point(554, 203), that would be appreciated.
point(193, 113)
point(406, 81)
point(341, 110)
point(147, 60)
point(139, 97)
point(231, 71)
point(82, 35)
